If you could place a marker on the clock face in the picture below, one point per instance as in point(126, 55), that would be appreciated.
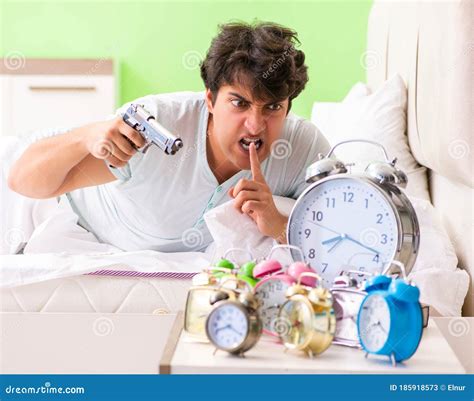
point(227, 326)
point(344, 224)
point(374, 323)
point(271, 295)
point(346, 307)
point(297, 316)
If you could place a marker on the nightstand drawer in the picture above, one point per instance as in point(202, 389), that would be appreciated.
point(49, 94)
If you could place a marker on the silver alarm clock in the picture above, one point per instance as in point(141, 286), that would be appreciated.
point(347, 295)
point(354, 221)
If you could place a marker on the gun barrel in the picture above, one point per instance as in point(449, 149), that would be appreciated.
point(154, 133)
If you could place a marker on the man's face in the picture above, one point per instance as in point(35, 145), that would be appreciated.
point(237, 119)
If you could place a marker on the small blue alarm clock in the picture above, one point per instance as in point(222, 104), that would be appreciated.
point(390, 319)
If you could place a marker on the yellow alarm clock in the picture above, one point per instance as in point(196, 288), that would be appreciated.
point(308, 318)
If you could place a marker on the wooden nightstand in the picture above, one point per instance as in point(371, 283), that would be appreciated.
point(438, 353)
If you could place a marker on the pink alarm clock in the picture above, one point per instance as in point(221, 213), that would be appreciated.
point(270, 291)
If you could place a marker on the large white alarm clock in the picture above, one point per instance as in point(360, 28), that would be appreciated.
point(359, 222)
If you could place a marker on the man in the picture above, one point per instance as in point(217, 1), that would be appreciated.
point(239, 142)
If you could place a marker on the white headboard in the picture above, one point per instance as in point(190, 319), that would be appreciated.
point(431, 45)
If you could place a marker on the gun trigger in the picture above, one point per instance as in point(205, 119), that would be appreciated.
point(145, 148)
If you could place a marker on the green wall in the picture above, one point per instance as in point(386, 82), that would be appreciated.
point(155, 42)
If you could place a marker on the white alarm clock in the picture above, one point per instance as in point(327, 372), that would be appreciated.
point(358, 222)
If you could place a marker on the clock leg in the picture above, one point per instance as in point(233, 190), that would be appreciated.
point(392, 358)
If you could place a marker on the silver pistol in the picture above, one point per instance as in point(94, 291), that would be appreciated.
point(151, 130)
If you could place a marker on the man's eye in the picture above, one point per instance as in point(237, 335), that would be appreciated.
point(274, 106)
point(239, 103)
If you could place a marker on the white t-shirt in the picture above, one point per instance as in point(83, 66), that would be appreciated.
point(158, 201)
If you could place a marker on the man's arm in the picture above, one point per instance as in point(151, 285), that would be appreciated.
point(63, 163)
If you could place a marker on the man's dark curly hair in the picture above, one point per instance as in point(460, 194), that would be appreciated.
point(261, 56)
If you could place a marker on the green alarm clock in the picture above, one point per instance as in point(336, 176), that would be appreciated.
point(243, 272)
point(390, 319)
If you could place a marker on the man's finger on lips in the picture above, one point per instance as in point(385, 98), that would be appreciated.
point(257, 174)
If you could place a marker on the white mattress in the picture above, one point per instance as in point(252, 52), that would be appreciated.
point(102, 294)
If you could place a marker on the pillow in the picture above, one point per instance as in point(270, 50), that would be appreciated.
point(442, 284)
point(231, 229)
point(380, 117)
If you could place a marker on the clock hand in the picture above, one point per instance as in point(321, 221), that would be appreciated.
point(337, 241)
point(336, 244)
point(362, 245)
point(328, 241)
point(326, 228)
point(276, 306)
point(382, 328)
point(234, 330)
point(343, 235)
point(227, 326)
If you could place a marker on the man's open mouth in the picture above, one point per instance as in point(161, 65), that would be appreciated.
point(245, 143)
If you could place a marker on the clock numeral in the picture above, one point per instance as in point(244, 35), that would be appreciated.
point(376, 258)
point(361, 269)
point(384, 238)
point(311, 253)
point(317, 216)
point(307, 232)
point(379, 218)
point(331, 202)
point(325, 266)
point(348, 197)
point(366, 203)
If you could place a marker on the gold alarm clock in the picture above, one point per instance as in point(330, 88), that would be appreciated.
point(234, 325)
point(205, 285)
point(308, 318)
